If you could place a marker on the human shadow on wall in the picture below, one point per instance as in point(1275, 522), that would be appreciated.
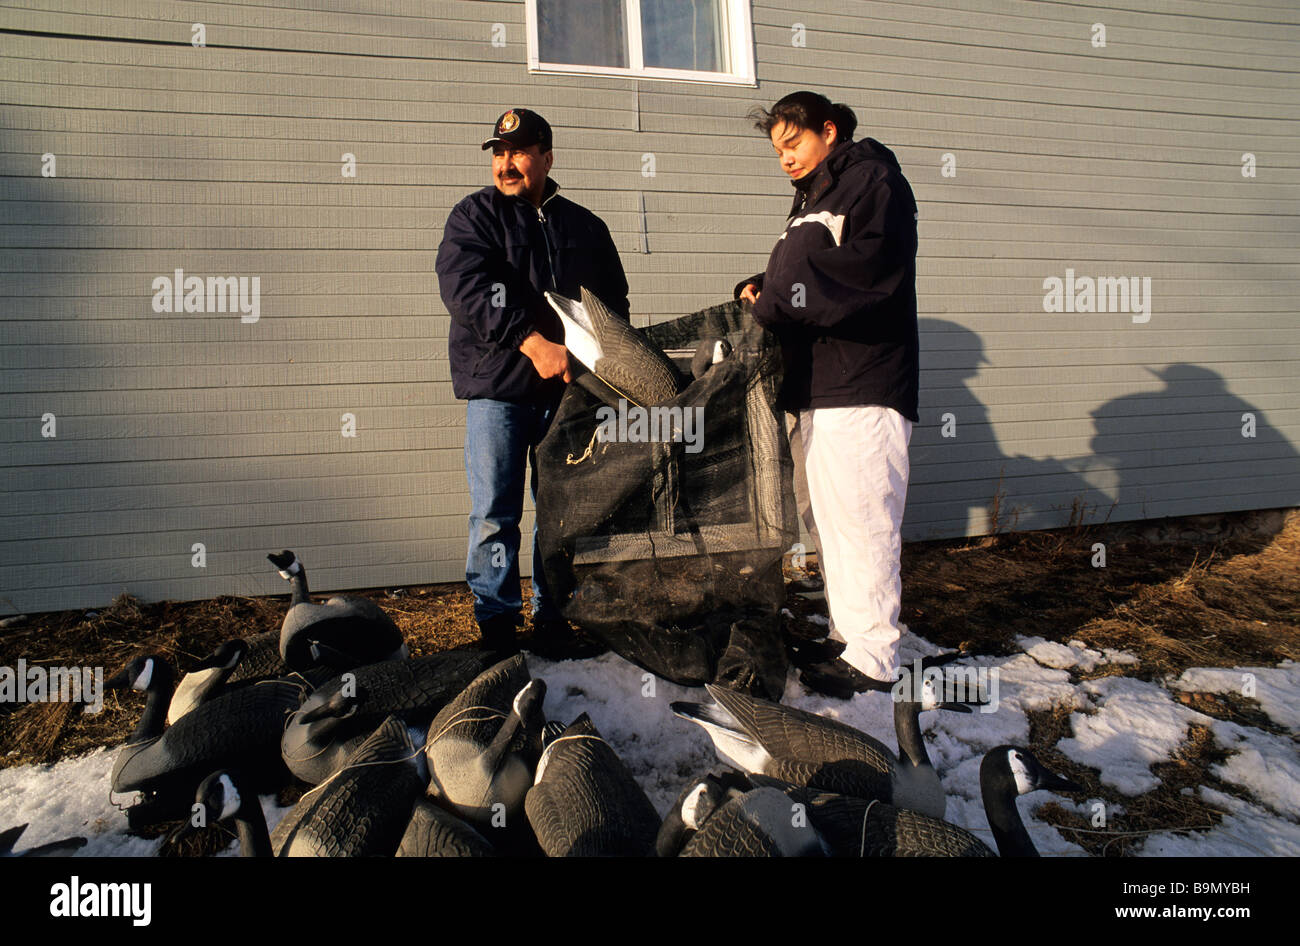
point(1194, 442)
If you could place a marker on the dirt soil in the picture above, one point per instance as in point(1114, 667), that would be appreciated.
point(1207, 591)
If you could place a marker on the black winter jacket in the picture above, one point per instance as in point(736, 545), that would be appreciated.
point(849, 335)
point(498, 255)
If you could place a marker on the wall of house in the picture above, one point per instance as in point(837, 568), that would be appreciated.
point(1033, 152)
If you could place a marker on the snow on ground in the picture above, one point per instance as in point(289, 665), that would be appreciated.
point(1121, 727)
point(1273, 687)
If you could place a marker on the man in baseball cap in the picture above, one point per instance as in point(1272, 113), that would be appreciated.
point(502, 248)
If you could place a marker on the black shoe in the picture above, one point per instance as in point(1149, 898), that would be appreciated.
point(805, 653)
point(555, 639)
point(497, 634)
point(839, 680)
point(809, 583)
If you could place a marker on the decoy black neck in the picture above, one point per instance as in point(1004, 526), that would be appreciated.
point(298, 582)
point(254, 838)
point(907, 726)
point(161, 687)
point(1000, 793)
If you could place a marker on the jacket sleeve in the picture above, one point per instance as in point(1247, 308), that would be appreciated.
point(757, 280)
point(844, 283)
point(472, 269)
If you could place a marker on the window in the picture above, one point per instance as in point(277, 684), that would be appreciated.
point(694, 40)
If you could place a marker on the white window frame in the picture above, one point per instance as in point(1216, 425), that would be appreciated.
point(740, 50)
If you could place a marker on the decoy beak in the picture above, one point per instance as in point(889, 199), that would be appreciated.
point(120, 680)
point(1057, 783)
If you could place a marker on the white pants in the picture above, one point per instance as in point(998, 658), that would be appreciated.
point(857, 470)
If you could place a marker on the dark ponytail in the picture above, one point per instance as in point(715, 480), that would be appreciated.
point(809, 111)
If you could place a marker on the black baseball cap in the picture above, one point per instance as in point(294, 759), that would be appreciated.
point(520, 128)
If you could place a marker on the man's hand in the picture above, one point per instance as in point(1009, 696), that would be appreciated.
point(749, 293)
point(549, 359)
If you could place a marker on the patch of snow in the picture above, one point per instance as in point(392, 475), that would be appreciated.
point(1246, 831)
point(1275, 687)
point(1136, 725)
point(1268, 766)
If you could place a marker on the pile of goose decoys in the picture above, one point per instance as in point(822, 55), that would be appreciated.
point(450, 755)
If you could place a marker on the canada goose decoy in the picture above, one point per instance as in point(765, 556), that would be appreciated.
point(63, 848)
point(222, 801)
point(341, 713)
point(344, 632)
point(694, 806)
point(856, 827)
point(435, 832)
point(483, 746)
point(205, 680)
point(621, 361)
point(585, 803)
point(762, 822)
point(805, 749)
point(364, 809)
point(239, 729)
point(711, 351)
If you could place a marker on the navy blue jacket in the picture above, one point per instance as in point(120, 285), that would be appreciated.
point(498, 255)
point(840, 285)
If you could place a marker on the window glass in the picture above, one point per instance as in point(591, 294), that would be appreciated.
point(582, 32)
point(683, 34)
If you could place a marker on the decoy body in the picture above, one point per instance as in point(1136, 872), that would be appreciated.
point(9, 837)
point(344, 632)
point(762, 822)
point(240, 729)
point(624, 362)
point(585, 803)
point(856, 827)
point(435, 832)
point(805, 749)
point(364, 809)
point(483, 746)
point(341, 713)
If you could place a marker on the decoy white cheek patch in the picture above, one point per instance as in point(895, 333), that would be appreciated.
point(691, 806)
point(146, 676)
point(231, 803)
point(1024, 781)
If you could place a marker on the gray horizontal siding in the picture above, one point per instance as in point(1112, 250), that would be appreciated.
point(182, 428)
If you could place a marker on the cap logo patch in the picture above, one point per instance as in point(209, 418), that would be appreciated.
point(509, 122)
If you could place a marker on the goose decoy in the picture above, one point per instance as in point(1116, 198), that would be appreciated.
point(261, 659)
point(585, 803)
point(63, 848)
point(620, 361)
point(364, 809)
point(856, 827)
point(205, 680)
point(341, 713)
point(344, 632)
point(222, 801)
point(762, 822)
point(711, 351)
point(695, 805)
point(435, 832)
point(239, 729)
point(483, 746)
point(804, 749)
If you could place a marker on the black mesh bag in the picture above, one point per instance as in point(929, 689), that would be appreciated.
point(670, 550)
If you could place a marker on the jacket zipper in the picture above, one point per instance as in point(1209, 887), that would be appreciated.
point(550, 254)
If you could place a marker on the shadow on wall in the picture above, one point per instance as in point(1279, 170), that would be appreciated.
point(1191, 444)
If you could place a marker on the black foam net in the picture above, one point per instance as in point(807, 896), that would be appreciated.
point(670, 550)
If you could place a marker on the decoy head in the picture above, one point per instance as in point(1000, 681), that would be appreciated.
point(147, 673)
point(1022, 768)
point(219, 797)
point(287, 562)
point(709, 352)
point(339, 705)
point(225, 657)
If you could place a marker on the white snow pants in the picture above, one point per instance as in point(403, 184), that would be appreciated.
point(857, 469)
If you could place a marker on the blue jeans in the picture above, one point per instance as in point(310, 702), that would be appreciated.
point(500, 436)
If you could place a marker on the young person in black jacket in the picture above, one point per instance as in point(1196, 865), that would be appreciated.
point(840, 293)
point(502, 248)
